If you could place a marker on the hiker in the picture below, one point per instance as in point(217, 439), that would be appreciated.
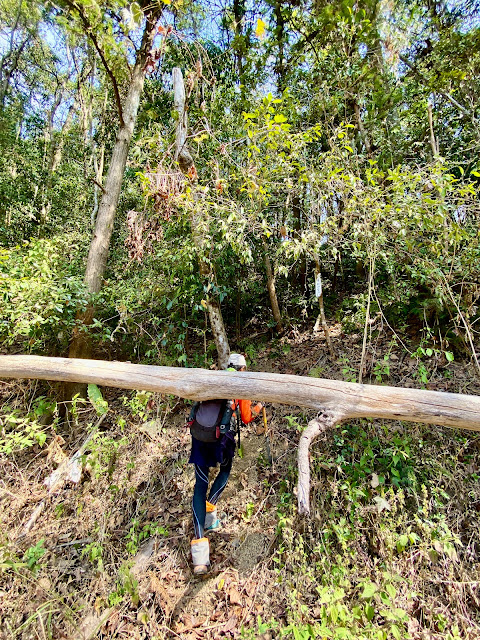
point(212, 426)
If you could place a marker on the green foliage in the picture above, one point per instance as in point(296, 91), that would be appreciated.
point(137, 534)
point(39, 294)
point(374, 513)
point(20, 430)
point(96, 398)
point(103, 454)
point(127, 584)
point(94, 552)
point(33, 556)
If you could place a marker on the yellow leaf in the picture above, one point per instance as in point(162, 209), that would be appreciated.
point(204, 304)
point(220, 584)
point(260, 29)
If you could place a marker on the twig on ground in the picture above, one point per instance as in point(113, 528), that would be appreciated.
point(55, 480)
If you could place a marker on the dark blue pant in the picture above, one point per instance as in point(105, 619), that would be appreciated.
point(199, 508)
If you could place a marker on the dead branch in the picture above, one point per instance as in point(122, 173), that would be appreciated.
point(68, 470)
point(320, 424)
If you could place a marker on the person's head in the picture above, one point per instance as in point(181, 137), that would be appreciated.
point(237, 362)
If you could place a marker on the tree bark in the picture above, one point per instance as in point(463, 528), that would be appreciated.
point(433, 140)
point(213, 306)
point(187, 166)
point(346, 400)
point(361, 128)
point(315, 427)
point(272, 294)
point(100, 244)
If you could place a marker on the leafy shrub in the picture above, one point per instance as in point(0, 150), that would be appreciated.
point(39, 295)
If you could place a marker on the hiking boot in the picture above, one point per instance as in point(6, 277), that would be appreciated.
point(200, 556)
point(200, 570)
point(211, 519)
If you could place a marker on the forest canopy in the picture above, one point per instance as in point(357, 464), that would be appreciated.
point(339, 138)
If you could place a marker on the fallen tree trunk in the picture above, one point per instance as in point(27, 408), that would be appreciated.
point(337, 401)
point(346, 399)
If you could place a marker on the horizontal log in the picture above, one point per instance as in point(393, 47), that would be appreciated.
point(346, 399)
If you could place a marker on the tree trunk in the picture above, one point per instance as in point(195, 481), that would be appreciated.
point(344, 400)
point(272, 294)
point(100, 244)
point(361, 129)
point(280, 67)
point(335, 400)
point(433, 140)
point(213, 306)
point(187, 166)
point(321, 316)
point(56, 153)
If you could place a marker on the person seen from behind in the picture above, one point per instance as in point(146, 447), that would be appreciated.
point(212, 426)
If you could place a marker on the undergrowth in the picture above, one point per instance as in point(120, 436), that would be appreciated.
point(390, 549)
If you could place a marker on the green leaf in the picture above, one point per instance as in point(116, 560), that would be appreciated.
point(369, 612)
point(137, 13)
point(96, 398)
point(449, 356)
point(392, 592)
point(369, 590)
point(280, 118)
point(402, 542)
point(396, 632)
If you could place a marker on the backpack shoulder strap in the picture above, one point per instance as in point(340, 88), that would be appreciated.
point(193, 411)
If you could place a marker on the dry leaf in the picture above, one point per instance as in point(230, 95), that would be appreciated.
point(234, 595)
point(55, 451)
point(375, 481)
point(231, 624)
point(382, 504)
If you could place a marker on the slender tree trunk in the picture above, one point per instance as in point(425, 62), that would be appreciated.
point(98, 159)
point(321, 316)
point(280, 67)
point(300, 272)
point(240, 46)
point(272, 294)
point(187, 166)
point(433, 140)
point(361, 128)
point(9, 61)
point(213, 306)
point(80, 346)
point(56, 153)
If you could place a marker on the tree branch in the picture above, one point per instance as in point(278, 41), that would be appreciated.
point(93, 38)
point(324, 421)
point(446, 95)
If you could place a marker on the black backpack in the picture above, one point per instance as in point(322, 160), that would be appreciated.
point(211, 420)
